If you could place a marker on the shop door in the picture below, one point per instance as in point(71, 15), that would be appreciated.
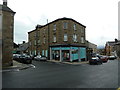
point(66, 55)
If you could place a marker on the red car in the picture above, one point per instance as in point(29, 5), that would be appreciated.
point(103, 58)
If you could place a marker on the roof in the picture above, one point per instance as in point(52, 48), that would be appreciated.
point(111, 43)
point(15, 45)
point(64, 18)
point(6, 8)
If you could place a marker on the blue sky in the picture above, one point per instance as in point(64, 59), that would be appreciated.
point(99, 16)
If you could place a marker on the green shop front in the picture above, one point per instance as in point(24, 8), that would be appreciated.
point(68, 53)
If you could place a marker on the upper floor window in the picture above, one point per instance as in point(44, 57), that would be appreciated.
point(54, 38)
point(65, 25)
point(65, 37)
point(35, 43)
point(54, 27)
point(82, 30)
point(82, 40)
point(75, 38)
point(74, 26)
point(29, 43)
point(38, 42)
point(35, 34)
point(44, 40)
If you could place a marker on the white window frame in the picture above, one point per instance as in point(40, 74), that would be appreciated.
point(65, 37)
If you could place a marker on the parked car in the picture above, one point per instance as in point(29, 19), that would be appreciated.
point(23, 58)
point(16, 56)
point(103, 58)
point(40, 58)
point(112, 57)
point(95, 60)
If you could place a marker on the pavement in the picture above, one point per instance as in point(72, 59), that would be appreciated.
point(16, 67)
point(71, 63)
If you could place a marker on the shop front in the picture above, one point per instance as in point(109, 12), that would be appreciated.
point(68, 53)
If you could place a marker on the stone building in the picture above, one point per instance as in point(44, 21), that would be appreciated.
point(63, 39)
point(91, 49)
point(110, 48)
point(6, 29)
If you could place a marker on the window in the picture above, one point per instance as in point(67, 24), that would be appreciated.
point(35, 34)
point(35, 53)
point(82, 30)
point(75, 38)
point(74, 26)
point(54, 27)
point(54, 38)
point(65, 37)
point(30, 43)
point(82, 40)
point(38, 33)
point(65, 25)
point(42, 52)
point(38, 42)
point(44, 40)
point(35, 42)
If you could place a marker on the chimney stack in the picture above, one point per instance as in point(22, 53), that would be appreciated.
point(5, 2)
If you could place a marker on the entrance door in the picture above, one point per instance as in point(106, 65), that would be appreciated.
point(66, 55)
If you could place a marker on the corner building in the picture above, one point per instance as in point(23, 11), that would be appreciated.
point(6, 36)
point(63, 39)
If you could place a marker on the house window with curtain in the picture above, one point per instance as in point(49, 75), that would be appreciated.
point(74, 37)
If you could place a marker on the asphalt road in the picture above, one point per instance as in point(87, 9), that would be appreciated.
point(56, 75)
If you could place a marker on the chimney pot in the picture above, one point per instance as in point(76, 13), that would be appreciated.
point(5, 2)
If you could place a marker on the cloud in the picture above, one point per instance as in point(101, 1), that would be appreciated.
point(99, 16)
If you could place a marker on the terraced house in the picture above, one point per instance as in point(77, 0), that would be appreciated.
point(63, 39)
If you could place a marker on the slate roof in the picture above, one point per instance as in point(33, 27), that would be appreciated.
point(6, 8)
point(64, 18)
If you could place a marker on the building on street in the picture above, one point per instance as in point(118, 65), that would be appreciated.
point(63, 39)
point(6, 30)
point(91, 49)
point(110, 48)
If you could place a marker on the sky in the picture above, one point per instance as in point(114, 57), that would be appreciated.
point(99, 16)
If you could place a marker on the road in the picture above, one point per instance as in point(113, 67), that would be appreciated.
point(56, 75)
